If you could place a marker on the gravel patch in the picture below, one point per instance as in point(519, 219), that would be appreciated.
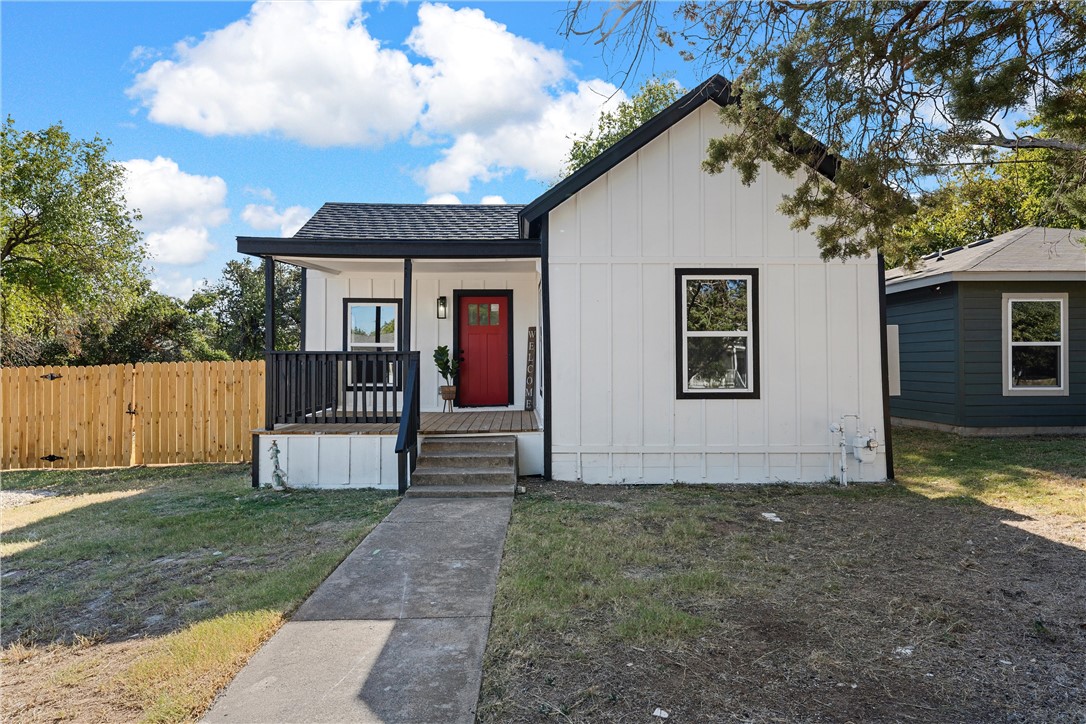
point(16, 498)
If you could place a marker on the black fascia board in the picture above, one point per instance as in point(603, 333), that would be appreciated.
point(389, 248)
point(717, 89)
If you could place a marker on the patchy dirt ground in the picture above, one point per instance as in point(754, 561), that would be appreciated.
point(871, 604)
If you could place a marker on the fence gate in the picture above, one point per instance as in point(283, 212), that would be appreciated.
point(120, 415)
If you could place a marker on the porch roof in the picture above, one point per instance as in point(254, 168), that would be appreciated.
point(398, 231)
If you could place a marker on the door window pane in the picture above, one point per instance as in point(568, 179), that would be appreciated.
point(484, 314)
point(494, 315)
point(473, 314)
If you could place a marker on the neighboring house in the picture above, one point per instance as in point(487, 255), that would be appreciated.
point(992, 335)
point(685, 331)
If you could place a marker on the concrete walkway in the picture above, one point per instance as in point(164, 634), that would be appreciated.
point(395, 634)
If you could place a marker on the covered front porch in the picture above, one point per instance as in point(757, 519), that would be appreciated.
point(374, 310)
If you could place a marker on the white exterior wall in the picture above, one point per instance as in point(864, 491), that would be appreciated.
point(324, 313)
point(613, 251)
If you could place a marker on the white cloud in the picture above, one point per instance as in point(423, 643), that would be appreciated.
point(176, 284)
point(260, 193)
point(444, 199)
point(307, 70)
point(288, 221)
point(481, 76)
point(178, 209)
point(538, 146)
point(489, 102)
point(492, 200)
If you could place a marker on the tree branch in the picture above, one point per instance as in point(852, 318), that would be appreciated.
point(1029, 142)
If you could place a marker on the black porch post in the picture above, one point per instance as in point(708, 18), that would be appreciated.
point(269, 341)
point(405, 324)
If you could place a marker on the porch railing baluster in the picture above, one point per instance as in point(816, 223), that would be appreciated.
point(337, 387)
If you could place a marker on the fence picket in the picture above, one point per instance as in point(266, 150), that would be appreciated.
point(185, 412)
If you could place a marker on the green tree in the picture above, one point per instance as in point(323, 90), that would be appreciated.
point(902, 91)
point(69, 251)
point(978, 203)
point(655, 95)
point(156, 328)
point(236, 302)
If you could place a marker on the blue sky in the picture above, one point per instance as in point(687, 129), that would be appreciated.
point(242, 119)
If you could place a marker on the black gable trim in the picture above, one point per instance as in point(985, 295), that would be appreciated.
point(390, 249)
point(717, 89)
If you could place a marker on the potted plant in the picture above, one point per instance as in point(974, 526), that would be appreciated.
point(447, 367)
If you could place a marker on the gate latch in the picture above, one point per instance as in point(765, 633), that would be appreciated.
point(131, 410)
point(52, 376)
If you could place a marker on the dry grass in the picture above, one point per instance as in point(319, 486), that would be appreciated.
point(137, 594)
point(924, 601)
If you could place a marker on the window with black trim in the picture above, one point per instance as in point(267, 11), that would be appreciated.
point(371, 325)
point(717, 333)
point(1035, 344)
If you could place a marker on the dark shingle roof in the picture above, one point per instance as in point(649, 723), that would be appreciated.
point(391, 222)
point(1025, 250)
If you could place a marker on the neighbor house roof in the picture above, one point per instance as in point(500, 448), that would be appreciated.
point(419, 231)
point(1032, 252)
point(413, 221)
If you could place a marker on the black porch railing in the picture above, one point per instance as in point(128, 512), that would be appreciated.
point(336, 387)
point(407, 441)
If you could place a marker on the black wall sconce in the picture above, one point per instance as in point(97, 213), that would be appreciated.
point(442, 307)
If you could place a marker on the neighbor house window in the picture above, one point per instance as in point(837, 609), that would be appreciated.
point(1035, 350)
point(717, 333)
point(371, 325)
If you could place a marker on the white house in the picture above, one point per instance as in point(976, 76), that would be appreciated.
point(641, 321)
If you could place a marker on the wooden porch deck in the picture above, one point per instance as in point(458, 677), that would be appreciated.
point(432, 423)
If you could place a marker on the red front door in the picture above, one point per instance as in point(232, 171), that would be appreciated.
point(484, 329)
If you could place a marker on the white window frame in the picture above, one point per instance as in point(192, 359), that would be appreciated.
point(752, 390)
point(1009, 389)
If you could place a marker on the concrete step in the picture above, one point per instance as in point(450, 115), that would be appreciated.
point(462, 476)
point(440, 445)
point(460, 491)
point(468, 460)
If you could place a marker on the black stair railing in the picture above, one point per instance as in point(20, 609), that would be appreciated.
point(407, 441)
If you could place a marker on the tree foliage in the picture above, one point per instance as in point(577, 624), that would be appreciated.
point(156, 328)
point(978, 203)
point(901, 92)
point(69, 251)
point(654, 95)
point(236, 302)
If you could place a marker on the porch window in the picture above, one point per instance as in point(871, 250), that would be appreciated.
point(371, 325)
point(1035, 344)
point(717, 333)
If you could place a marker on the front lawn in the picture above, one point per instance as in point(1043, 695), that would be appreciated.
point(958, 594)
point(137, 594)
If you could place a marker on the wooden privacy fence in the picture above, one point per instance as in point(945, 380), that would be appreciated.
point(119, 415)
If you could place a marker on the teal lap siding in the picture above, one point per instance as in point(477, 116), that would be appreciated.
point(928, 341)
point(951, 354)
point(983, 402)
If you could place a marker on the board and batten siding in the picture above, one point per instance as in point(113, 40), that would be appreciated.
point(613, 250)
point(927, 321)
point(324, 313)
point(982, 401)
